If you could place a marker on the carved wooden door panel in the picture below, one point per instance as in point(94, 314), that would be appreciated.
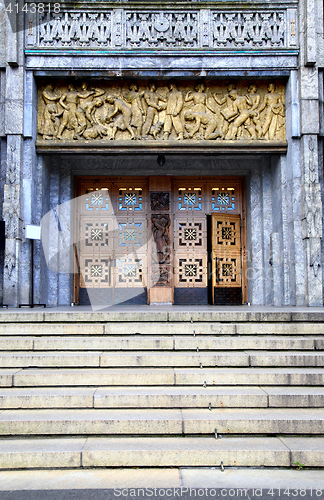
point(130, 244)
point(226, 259)
point(111, 248)
point(190, 243)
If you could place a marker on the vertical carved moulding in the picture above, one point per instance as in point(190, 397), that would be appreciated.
point(204, 28)
point(31, 29)
point(292, 28)
point(117, 28)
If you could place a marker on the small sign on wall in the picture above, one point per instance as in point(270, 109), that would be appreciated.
point(33, 232)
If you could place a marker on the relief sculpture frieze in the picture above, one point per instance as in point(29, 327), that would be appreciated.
point(186, 112)
point(61, 27)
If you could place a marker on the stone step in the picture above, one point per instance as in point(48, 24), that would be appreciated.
point(122, 359)
point(133, 397)
point(147, 327)
point(160, 359)
point(214, 328)
point(32, 377)
point(288, 358)
point(156, 452)
point(161, 422)
point(161, 397)
point(293, 397)
point(146, 342)
point(54, 359)
point(280, 376)
point(92, 377)
point(51, 328)
point(253, 421)
point(179, 397)
point(172, 359)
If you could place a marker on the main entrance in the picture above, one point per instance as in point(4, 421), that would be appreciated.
point(159, 239)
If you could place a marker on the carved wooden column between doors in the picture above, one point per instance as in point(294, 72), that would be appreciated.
point(160, 254)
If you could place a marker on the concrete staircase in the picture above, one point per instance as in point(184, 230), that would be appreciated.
point(149, 388)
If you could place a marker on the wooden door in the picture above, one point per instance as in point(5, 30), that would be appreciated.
point(190, 242)
point(111, 241)
point(226, 259)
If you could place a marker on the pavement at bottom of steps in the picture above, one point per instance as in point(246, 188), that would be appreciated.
point(185, 483)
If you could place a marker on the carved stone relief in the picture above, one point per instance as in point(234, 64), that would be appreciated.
point(161, 29)
point(185, 112)
point(249, 29)
point(75, 29)
point(167, 28)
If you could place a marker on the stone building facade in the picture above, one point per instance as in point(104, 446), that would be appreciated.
point(171, 154)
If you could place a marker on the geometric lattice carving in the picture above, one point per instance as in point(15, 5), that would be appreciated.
point(223, 199)
point(131, 234)
point(129, 271)
point(228, 271)
point(130, 199)
point(95, 272)
point(95, 233)
point(227, 233)
point(97, 201)
point(190, 233)
point(189, 199)
point(190, 271)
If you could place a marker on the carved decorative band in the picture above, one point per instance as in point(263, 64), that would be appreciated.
point(155, 29)
point(186, 112)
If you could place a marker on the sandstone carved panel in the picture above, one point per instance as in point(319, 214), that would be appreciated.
point(187, 112)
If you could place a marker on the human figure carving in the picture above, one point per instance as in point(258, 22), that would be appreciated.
point(86, 98)
point(274, 110)
point(208, 121)
point(253, 124)
point(173, 109)
point(198, 98)
point(160, 229)
point(222, 99)
point(69, 101)
point(123, 120)
point(151, 98)
point(242, 105)
point(51, 113)
point(134, 98)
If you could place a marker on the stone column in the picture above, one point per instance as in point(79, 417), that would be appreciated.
point(311, 54)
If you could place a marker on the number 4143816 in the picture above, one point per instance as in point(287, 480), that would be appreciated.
point(34, 7)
